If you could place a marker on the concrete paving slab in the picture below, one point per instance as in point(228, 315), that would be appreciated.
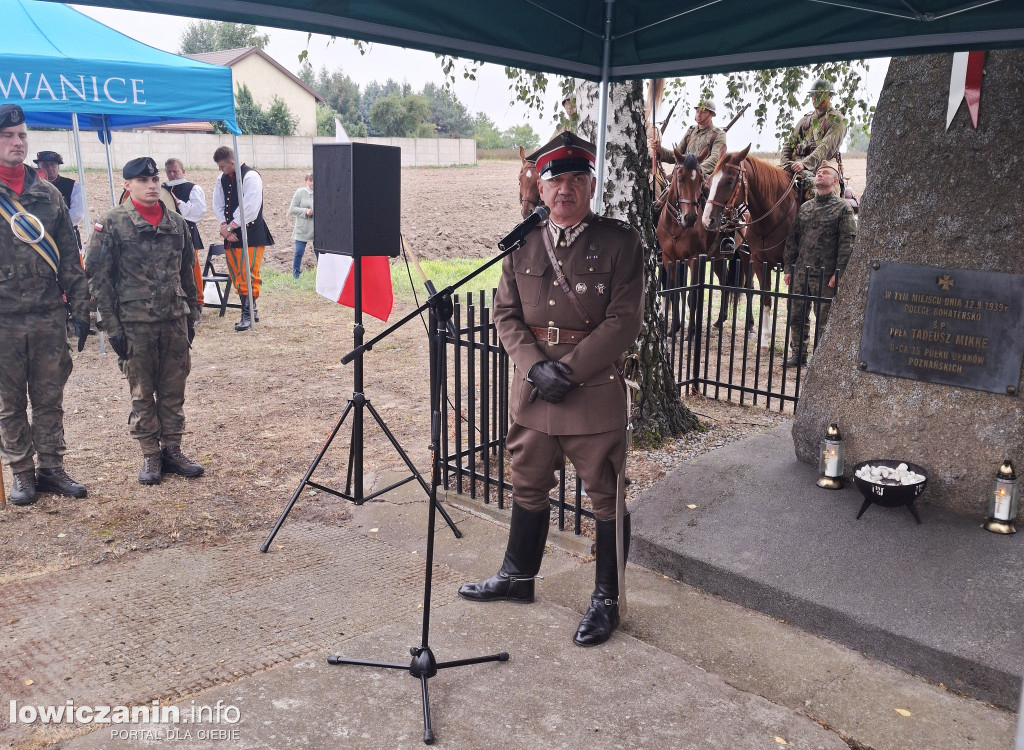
point(941, 599)
point(550, 694)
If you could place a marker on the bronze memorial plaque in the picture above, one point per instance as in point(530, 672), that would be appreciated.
point(944, 325)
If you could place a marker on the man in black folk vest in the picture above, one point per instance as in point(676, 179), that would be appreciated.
point(49, 162)
point(191, 203)
point(225, 206)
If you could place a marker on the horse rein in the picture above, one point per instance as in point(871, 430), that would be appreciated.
point(738, 207)
point(675, 210)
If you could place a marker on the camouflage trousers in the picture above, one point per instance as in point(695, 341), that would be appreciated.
point(799, 331)
point(35, 363)
point(157, 367)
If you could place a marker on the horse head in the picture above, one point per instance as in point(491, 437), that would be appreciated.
point(686, 184)
point(529, 193)
point(725, 182)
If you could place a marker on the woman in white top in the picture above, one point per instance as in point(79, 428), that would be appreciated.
point(302, 210)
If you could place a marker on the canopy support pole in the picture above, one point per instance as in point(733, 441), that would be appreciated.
point(602, 103)
point(245, 235)
point(81, 178)
point(107, 138)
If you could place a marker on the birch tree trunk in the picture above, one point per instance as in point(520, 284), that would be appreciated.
point(627, 196)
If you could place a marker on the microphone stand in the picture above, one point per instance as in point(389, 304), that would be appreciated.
point(423, 665)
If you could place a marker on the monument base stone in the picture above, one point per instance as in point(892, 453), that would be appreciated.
point(935, 197)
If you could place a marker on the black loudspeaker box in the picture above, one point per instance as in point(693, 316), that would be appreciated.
point(357, 190)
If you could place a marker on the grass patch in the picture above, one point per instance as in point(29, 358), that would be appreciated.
point(442, 272)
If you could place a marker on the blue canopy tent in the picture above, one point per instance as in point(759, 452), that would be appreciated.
point(67, 70)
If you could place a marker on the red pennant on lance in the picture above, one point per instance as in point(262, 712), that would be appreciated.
point(336, 281)
point(965, 83)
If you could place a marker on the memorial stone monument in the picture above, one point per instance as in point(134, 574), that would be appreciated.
point(921, 359)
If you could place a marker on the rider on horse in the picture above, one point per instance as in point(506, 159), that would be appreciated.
point(704, 135)
point(816, 139)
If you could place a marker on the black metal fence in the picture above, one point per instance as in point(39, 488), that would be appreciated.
point(742, 359)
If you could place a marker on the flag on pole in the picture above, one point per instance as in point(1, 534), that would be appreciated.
point(336, 281)
point(340, 136)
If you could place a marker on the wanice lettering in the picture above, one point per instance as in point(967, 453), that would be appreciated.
point(36, 86)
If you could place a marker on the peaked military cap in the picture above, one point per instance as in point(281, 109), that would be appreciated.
point(11, 115)
point(48, 156)
point(144, 166)
point(564, 153)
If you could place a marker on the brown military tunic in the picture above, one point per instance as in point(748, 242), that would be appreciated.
point(694, 141)
point(602, 260)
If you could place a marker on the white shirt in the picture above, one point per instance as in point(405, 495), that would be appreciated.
point(252, 199)
point(194, 208)
point(77, 207)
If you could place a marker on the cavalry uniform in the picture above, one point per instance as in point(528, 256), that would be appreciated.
point(694, 141)
point(821, 237)
point(566, 323)
point(225, 206)
point(141, 275)
point(817, 138)
point(35, 356)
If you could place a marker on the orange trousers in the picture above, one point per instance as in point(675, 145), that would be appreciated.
point(236, 269)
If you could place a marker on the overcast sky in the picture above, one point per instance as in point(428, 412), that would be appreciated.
point(489, 93)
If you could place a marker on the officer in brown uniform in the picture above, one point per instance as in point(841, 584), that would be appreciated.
point(39, 266)
point(140, 272)
point(569, 304)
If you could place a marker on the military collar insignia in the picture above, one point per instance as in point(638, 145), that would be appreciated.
point(571, 233)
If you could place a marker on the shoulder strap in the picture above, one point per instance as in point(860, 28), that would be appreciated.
point(560, 277)
point(30, 230)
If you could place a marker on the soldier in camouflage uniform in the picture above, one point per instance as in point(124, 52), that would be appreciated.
point(821, 237)
point(35, 357)
point(817, 137)
point(705, 134)
point(140, 272)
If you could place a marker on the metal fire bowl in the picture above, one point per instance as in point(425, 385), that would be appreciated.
point(890, 495)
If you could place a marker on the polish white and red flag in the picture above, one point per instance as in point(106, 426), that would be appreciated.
point(336, 280)
point(965, 85)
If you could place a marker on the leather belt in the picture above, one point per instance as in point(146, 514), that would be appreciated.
point(554, 335)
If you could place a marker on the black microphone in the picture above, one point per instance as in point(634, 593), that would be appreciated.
point(517, 235)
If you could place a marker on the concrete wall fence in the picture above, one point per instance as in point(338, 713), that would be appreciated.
point(259, 151)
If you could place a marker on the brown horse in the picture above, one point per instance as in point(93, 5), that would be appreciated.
point(745, 184)
point(682, 236)
point(529, 194)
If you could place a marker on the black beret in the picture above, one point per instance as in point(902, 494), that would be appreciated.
point(48, 156)
point(144, 166)
point(11, 115)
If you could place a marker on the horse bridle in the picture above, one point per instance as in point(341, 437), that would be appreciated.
point(524, 199)
point(738, 208)
point(675, 211)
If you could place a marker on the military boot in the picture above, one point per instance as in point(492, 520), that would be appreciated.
point(514, 582)
point(24, 490)
point(152, 466)
point(796, 360)
point(602, 618)
point(58, 482)
point(176, 462)
point(245, 323)
point(255, 312)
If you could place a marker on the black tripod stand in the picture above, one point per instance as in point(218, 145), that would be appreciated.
point(355, 406)
point(424, 665)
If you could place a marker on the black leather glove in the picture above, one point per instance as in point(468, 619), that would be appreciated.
point(550, 381)
point(81, 330)
point(191, 331)
point(119, 343)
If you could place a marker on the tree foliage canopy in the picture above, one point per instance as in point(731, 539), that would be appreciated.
point(255, 120)
point(213, 36)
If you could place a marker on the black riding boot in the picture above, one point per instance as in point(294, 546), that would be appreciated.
point(603, 616)
point(246, 321)
point(514, 582)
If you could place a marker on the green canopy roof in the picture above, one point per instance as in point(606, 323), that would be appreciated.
point(648, 38)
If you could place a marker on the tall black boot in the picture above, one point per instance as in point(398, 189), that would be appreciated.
point(246, 321)
point(514, 582)
point(603, 616)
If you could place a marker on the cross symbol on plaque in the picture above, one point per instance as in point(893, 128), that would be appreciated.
point(945, 281)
